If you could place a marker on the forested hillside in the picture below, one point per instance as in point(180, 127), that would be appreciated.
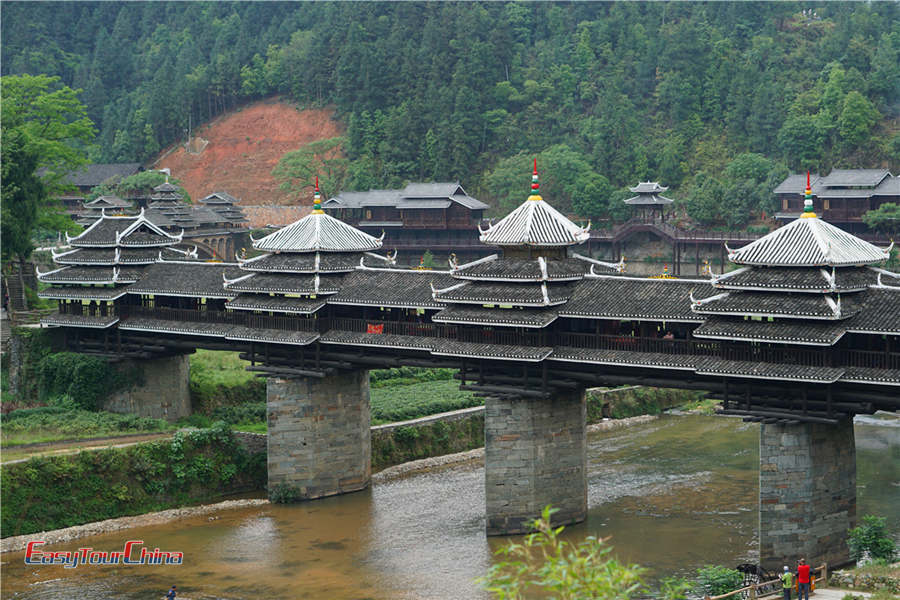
point(716, 99)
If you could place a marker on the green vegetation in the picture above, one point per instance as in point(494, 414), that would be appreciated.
point(407, 376)
point(45, 126)
point(871, 538)
point(545, 563)
point(142, 182)
point(606, 93)
point(81, 380)
point(218, 379)
point(402, 444)
point(402, 402)
point(52, 423)
point(60, 491)
point(714, 580)
point(633, 401)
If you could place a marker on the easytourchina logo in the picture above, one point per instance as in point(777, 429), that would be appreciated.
point(133, 554)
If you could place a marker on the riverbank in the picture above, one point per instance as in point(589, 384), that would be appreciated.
point(67, 534)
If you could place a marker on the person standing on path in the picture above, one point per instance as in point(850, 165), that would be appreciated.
point(172, 593)
point(787, 582)
point(802, 580)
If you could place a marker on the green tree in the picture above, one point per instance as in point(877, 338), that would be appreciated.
point(22, 195)
point(546, 563)
point(872, 538)
point(324, 159)
point(856, 120)
point(884, 218)
point(715, 580)
point(52, 121)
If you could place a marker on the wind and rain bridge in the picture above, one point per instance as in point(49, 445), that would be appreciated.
point(801, 336)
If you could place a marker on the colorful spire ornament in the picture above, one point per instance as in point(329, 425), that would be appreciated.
point(535, 184)
point(808, 211)
point(317, 200)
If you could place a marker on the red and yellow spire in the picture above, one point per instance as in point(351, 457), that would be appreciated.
point(535, 184)
point(317, 200)
point(808, 211)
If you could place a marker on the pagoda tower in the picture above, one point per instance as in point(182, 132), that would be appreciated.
point(318, 438)
point(105, 258)
point(535, 444)
point(649, 200)
point(807, 284)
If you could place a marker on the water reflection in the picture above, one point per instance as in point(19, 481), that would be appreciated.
point(674, 494)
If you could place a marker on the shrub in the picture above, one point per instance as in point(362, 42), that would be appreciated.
point(546, 563)
point(87, 380)
point(284, 494)
point(715, 580)
point(871, 538)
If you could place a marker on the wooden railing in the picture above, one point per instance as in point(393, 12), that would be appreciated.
point(752, 591)
point(811, 356)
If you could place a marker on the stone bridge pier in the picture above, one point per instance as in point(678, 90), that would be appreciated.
point(319, 443)
point(535, 455)
point(807, 493)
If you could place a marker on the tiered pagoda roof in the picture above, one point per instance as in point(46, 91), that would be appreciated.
point(649, 193)
point(523, 289)
point(803, 284)
point(302, 262)
point(111, 253)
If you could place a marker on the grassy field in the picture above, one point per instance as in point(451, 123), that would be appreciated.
point(402, 402)
point(49, 424)
point(213, 368)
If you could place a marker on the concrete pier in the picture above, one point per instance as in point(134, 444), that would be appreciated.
point(319, 442)
point(807, 493)
point(535, 455)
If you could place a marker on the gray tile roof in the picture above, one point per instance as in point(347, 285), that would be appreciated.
point(318, 231)
point(434, 195)
point(491, 351)
point(511, 317)
point(278, 304)
point(137, 231)
point(812, 280)
point(391, 288)
point(307, 262)
point(78, 274)
point(274, 336)
point(284, 283)
point(890, 186)
point(868, 375)
point(854, 177)
point(657, 360)
point(648, 187)
point(107, 256)
point(195, 280)
point(108, 202)
point(82, 292)
point(635, 299)
point(534, 223)
point(516, 294)
point(880, 313)
point(795, 183)
point(94, 175)
point(96, 322)
point(783, 331)
point(808, 242)
point(648, 200)
point(505, 269)
point(219, 198)
point(378, 340)
point(178, 327)
point(764, 370)
point(766, 304)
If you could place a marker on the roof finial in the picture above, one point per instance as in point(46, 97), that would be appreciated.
point(535, 184)
point(807, 202)
point(317, 199)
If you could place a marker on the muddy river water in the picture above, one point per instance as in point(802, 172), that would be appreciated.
point(674, 494)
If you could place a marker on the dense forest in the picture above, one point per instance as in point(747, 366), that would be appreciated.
point(719, 100)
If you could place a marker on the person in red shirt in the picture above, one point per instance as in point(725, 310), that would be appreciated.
point(803, 580)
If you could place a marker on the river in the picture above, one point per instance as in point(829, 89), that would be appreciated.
point(673, 494)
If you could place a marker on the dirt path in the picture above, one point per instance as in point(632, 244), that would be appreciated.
point(15, 454)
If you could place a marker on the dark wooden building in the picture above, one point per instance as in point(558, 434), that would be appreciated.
point(842, 197)
point(440, 217)
point(90, 176)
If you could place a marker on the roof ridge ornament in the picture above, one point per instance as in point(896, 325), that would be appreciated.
point(808, 212)
point(317, 200)
point(535, 184)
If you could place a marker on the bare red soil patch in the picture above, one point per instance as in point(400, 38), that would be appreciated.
point(244, 146)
